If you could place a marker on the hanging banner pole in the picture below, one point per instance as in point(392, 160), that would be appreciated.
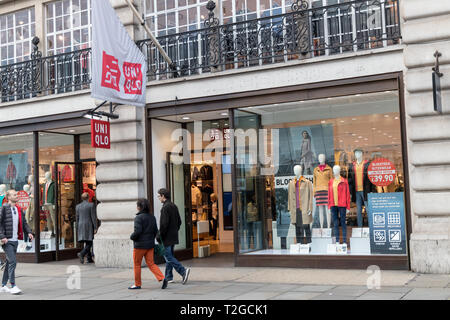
point(152, 37)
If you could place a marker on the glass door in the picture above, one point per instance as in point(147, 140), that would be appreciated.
point(249, 183)
point(178, 182)
point(67, 197)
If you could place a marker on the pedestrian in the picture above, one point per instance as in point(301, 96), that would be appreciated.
point(13, 227)
point(145, 231)
point(86, 227)
point(169, 225)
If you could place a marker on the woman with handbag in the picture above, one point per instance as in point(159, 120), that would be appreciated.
point(145, 231)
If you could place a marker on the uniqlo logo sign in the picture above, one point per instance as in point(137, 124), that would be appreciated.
point(100, 134)
point(110, 72)
point(133, 78)
point(111, 75)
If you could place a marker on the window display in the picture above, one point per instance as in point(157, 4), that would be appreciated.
point(16, 172)
point(321, 163)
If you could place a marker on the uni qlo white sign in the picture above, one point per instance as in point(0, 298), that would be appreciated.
point(118, 67)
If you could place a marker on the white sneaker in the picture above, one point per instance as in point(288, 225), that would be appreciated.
point(15, 290)
point(4, 289)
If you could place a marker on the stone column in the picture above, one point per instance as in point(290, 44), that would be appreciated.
point(121, 176)
point(425, 29)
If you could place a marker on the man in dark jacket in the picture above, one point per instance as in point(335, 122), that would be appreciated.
point(169, 225)
point(13, 227)
point(86, 226)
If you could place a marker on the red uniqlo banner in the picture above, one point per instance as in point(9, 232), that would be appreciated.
point(381, 172)
point(23, 200)
point(100, 134)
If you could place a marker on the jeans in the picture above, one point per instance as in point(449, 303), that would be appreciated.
point(359, 203)
point(10, 249)
point(171, 263)
point(339, 213)
point(87, 249)
point(302, 229)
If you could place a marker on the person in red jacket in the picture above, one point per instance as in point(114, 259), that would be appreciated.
point(339, 202)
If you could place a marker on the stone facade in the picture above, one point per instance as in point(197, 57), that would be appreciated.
point(425, 29)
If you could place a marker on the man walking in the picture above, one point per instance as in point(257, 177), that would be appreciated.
point(86, 226)
point(13, 227)
point(169, 225)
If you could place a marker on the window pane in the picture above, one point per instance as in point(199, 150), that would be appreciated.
point(66, 7)
point(26, 49)
point(59, 24)
point(182, 17)
point(75, 6)
point(84, 18)
point(83, 4)
point(67, 24)
point(58, 9)
point(170, 4)
point(149, 6)
point(161, 5)
point(67, 39)
point(50, 27)
point(50, 42)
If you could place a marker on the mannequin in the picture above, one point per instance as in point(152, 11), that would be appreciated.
point(29, 213)
point(322, 175)
point(339, 202)
point(49, 201)
point(196, 201)
point(2, 193)
point(359, 183)
point(300, 202)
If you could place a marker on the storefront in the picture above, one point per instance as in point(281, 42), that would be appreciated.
point(317, 173)
point(50, 169)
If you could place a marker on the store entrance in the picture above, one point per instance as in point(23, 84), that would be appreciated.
point(199, 177)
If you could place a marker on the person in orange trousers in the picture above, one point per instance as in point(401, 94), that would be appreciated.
point(143, 237)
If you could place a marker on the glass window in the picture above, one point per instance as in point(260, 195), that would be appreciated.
point(16, 172)
point(71, 18)
point(16, 29)
point(57, 184)
point(321, 176)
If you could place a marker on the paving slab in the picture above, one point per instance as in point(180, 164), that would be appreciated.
point(353, 291)
point(310, 288)
point(428, 294)
point(328, 296)
point(381, 296)
point(262, 295)
point(297, 295)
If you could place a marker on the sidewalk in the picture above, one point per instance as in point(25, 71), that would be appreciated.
point(48, 281)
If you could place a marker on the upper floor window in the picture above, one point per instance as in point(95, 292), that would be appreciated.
point(17, 29)
point(68, 26)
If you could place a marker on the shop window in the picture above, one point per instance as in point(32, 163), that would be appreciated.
point(321, 177)
point(16, 173)
point(57, 180)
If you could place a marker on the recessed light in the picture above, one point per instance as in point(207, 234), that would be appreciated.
point(353, 134)
point(353, 119)
point(356, 140)
point(342, 121)
point(386, 116)
point(385, 133)
point(226, 124)
point(357, 95)
point(366, 139)
point(360, 137)
point(341, 141)
point(71, 130)
point(323, 121)
point(374, 128)
point(396, 118)
point(185, 118)
point(224, 114)
point(251, 119)
point(214, 123)
point(390, 136)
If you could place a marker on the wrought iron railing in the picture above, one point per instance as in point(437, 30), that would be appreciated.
point(42, 76)
point(300, 34)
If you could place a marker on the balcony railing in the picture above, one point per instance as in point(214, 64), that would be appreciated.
point(41, 76)
point(300, 34)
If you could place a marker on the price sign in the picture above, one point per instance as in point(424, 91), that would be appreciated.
point(381, 172)
point(23, 200)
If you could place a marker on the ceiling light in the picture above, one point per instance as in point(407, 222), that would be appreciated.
point(71, 130)
point(374, 128)
point(385, 134)
point(386, 116)
point(224, 114)
point(356, 140)
point(353, 134)
point(226, 124)
point(323, 121)
point(353, 119)
point(88, 116)
point(366, 139)
point(396, 118)
point(360, 137)
point(185, 118)
point(342, 121)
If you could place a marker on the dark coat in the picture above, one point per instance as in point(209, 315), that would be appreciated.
point(169, 224)
point(86, 221)
point(368, 187)
point(145, 231)
point(6, 223)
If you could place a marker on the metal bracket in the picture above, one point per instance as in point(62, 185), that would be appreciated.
point(437, 55)
point(109, 115)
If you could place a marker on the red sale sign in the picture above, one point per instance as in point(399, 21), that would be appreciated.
point(23, 200)
point(100, 134)
point(381, 172)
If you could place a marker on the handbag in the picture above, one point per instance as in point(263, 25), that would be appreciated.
point(160, 250)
